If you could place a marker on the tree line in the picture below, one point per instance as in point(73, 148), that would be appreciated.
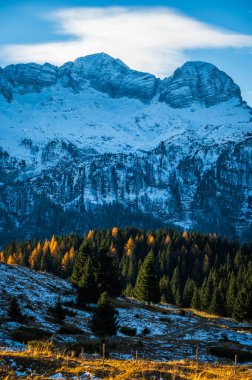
point(191, 270)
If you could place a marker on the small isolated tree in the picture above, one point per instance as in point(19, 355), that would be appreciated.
point(14, 311)
point(104, 321)
point(57, 311)
point(147, 285)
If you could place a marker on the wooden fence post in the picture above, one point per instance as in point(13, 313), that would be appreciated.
point(103, 353)
point(235, 364)
point(197, 356)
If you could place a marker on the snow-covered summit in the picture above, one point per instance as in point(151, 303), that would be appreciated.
point(194, 82)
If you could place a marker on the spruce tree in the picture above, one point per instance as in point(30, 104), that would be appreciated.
point(231, 295)
point(216, 305)
point(79, 263)
point(196, 303)
point(107, 274)
point(165, 290)
point(176, 287)
point(188, 293)
point(87, 289)
point(243, 304)
point(104, 320)
point(147, 286)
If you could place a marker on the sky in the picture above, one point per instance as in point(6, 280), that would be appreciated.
point(152, 36)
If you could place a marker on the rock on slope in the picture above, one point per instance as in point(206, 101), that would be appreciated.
point(93, 143)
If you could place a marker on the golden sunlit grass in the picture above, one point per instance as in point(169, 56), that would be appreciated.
point(204, 314)
point(46, 363)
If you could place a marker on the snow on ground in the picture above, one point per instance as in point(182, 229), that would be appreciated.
point(95, 122)
point(171, 336)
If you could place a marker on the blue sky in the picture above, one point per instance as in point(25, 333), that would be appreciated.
point(154, 36)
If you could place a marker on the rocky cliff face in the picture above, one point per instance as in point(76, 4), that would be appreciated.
point(198, 82)
point(94, 143)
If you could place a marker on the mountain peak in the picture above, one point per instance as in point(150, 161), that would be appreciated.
point(194, 82)
point(201, 82)
point(101, 59)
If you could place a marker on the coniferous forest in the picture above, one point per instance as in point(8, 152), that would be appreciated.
point(191, 270)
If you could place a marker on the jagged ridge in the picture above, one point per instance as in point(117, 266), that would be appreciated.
point(194, 82)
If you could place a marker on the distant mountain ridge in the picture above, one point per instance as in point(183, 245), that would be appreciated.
point(93, 143)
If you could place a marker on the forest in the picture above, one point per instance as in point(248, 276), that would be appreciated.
point(188, 269)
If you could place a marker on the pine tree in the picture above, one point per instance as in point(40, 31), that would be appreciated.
point(87, 289)
point(147, 286)
point(104, 320)
point(14, 311)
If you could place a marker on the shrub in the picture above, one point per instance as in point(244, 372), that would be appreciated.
point(14, 311)
point(93, 346)
point(229, 353)
point(26, 334)
point(57, 311)
point(125, 330)
point(181, 312)
point(69, 329)
point(146, 331)
point(165, 319)
point(41, 345)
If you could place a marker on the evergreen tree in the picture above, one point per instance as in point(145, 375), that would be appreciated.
point(216, 305)
point(243, 304)
point(176, 287)
point(165, 290)
point(188, 292)
point(79, 264)
point(107, 275)
point(104, 320)
point(58, 311)
point(196, 303)
point(46, 262)
point(14, 311)
point(87, 289)
point(231, 295)
point(147, 286)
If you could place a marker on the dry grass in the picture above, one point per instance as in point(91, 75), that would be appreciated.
point(46, 363)
point(204, 314)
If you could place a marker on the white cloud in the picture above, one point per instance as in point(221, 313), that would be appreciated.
point(147, 39)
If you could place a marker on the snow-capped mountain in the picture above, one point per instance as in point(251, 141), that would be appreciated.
point(93, 143)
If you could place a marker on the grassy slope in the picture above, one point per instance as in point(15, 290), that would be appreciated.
point(45, 364)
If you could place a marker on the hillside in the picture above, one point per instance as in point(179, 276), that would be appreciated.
point(173, 334)
point(95, 144)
